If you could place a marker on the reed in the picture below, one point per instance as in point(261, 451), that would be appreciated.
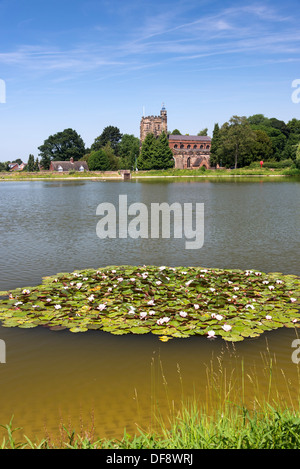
point(225, 419)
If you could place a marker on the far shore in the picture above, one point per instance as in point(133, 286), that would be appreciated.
point(168, 174)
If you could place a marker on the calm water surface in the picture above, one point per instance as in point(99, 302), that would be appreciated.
point(48, 227)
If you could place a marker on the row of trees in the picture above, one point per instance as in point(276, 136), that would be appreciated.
point(242, 140)
point(237, 143)
point(110, 151)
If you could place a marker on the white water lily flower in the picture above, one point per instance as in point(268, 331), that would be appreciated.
point(226, 327)
point(26, 292)
point(57, 306)
point(183, 314)
point(271, 287)
point(143, 315)
point(145, 275)
point(85, 278)
point(204, 270)
point(114, 271)
point(151, 312)
point(160, 321)
point(151, 302)
point(109, 289)
point(293, 300)
point(189, 281)
point(212, 289)
point(132, 279)
point(91, 298)
point(211, 334)
point(196, 306)
point(279, 281)
point(249, 306)
point(268, 317)
point(101, 307)
point(229, 281)
point(236, 288)
point(120, 279)
point(265, 282)
point(18, 303)
point(257, 273)
point(78, 285)
point(162, 267)
point(48, 299)
point(158, 282)
point(234, 296)
point(65, 288)
point(216, 316)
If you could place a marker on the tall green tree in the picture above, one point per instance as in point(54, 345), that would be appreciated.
point(128, 151)
point(113, 160)
point(98, 161)
point(164, 156)
point(215, 142)
point(262, 148)
point(148, 153)
point(30, 167)
point(110, 134)
point(61, 147)
point(36, 165)
point(236, 140)
point(176, 132)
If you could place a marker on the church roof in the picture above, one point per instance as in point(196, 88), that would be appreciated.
point(184, 138)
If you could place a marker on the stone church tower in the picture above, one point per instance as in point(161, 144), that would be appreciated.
point(154, 124)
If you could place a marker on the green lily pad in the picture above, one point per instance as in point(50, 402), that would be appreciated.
point(168, 302)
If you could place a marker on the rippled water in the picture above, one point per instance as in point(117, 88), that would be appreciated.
point(118, 381)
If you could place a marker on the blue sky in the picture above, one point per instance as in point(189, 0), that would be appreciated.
point(89, 64)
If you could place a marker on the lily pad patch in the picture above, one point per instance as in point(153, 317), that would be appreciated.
point(167, 301)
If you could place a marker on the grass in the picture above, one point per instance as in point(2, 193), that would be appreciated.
point(246, 171)
point(225, 421)
point(268, 428)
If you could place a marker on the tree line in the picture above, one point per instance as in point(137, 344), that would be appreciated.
point(245, 140)
point(237, 143)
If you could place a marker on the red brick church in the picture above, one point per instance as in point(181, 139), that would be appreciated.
point(190, 151)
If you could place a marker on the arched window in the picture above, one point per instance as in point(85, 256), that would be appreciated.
point(181, 145)
point(189, 146)
point(201, 146)
point(175, 146)
point(195, 146)
point(207, 147)
point(188, 162)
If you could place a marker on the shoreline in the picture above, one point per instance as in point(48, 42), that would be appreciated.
point(134, 176)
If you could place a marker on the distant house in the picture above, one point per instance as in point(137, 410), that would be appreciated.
point(16, 166)
point(63, 166)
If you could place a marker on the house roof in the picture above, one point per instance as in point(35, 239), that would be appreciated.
point(69, 166)
point(182, 138)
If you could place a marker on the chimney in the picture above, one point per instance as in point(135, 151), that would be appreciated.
point(71, 160)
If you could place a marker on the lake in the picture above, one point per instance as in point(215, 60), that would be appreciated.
point(116, 382)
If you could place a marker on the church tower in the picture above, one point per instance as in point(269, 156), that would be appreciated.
point(154, 124)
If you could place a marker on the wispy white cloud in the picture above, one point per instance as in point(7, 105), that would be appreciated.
point(166, 38)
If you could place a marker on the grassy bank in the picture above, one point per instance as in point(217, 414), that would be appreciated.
point(268, 428)
point(224, 421)
point(170, 173)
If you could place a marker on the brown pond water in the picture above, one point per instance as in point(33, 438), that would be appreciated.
point(117, 382)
